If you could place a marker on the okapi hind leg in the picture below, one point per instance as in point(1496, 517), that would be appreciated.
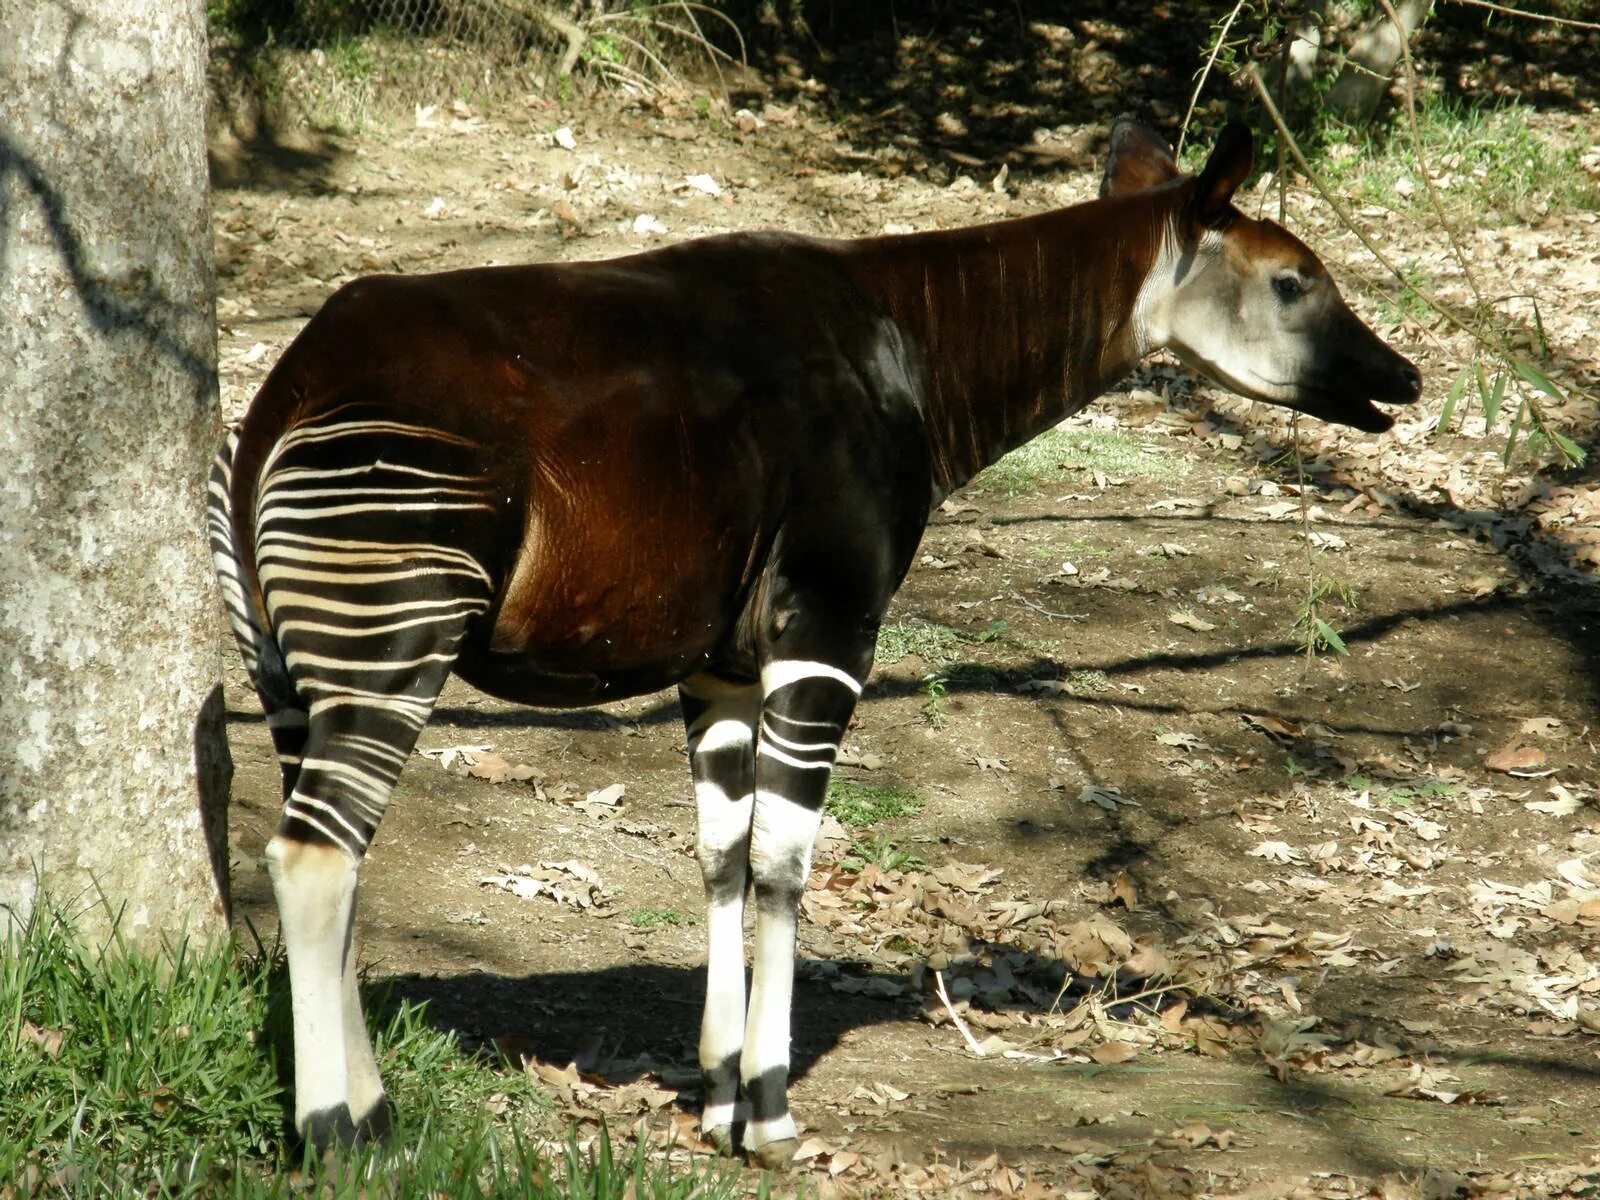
point(315, 887)
point(358, 740)
point(720, 718)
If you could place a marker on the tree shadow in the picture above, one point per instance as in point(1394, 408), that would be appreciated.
point(1483, 57)
point(953, 84)
point(623, 1023)
point(1560, 599)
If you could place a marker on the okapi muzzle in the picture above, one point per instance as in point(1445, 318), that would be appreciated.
point(706, 466)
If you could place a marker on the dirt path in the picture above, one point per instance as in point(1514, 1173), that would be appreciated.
point(1091, 688)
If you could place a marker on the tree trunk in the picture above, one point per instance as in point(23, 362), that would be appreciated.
point(1375, 51)
point(113, 766)
point(1293, 72)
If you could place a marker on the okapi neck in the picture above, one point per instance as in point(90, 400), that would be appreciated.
point(1019, 323)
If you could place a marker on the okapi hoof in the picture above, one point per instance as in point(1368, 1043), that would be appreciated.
point(333, 1128)
point(376, 1126)
point(721, 1137)
point(776, 1156)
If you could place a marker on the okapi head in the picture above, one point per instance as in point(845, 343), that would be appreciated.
point(1245, 302)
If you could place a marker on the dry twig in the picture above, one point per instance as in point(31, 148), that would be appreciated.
point(972, 1043)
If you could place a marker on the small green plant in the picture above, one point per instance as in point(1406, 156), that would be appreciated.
point(937, 645)
point(1077, 548)
point(882, 853)
point(1078, 680)
point(857, 805)
point(647, 917)
point(1489, 388)
point(602, 47)
point(351, 59)
point(1433, 789)
point(934, 690)
point(1408, 303)
point(1311, 628)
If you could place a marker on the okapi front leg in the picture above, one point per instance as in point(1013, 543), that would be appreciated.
point(805, 709)
point(720, 717)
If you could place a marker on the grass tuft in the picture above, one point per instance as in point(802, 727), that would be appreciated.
point(1486, 160)
point(860, 804)
point(649, 917)
point(934, 644)
point(1038, 463)
point(881, 852)
point(118, 1062)
point(129, 1076)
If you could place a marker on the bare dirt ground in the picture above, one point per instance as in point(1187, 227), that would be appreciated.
point(1363, 957)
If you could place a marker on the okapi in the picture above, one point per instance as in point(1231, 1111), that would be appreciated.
point(706, 465)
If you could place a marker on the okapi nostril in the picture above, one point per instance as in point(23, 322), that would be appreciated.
point(1413, 378)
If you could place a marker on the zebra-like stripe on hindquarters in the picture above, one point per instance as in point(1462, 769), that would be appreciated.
point(367, 610)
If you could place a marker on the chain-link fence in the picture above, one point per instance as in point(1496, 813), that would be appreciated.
point(340, 62)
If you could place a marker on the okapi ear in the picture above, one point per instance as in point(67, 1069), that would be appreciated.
point(1228, 167)
point(1140, 158)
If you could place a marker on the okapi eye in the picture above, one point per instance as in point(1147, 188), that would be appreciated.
point(1288, 287)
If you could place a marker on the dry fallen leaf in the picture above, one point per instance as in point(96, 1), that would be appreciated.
point(448, 756)
point(1514, 757)
point(966, 877)
point(1278, 852)
point(48, 1040)
point(1106, 797)
point(1275, 726)
point(1189, 621)
point(554, 880)
point(1114, 1052)
point(496, 768)
point(1542, 727)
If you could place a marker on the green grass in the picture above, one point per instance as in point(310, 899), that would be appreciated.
point(1040, 462)
point(1402, 796)
point(937, 645)
point(857, 805)
point(1492, 159)
point(132, 1076)
point(881, 852)
point(646, 917)
point(1077, 548)
point(1407, 303)
point(934, 644)
point(1080, 681)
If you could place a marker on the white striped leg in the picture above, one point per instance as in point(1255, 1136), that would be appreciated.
point(369, 1105)
point(805, 708)
point(720, 717)
point(338, 1098)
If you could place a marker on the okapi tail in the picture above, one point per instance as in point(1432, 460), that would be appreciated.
point(241, 595)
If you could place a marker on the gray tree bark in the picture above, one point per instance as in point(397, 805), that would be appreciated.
point(1369, 67)
point(113, 764)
